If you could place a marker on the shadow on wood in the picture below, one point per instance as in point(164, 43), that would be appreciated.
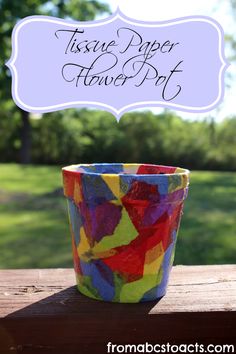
point(42, 315)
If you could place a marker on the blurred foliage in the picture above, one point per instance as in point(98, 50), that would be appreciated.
point(74, 136)
point(12, 11)
point(82, 136)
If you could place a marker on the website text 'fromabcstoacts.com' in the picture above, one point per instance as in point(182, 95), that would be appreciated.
point(169, 348)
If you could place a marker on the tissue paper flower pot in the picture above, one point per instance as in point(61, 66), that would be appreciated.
point(124, 220)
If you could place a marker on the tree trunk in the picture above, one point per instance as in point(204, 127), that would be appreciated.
point(25, 151)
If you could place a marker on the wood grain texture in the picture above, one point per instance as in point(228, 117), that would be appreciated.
point(41, 311)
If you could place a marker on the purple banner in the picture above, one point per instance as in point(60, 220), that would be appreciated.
point(117, 64)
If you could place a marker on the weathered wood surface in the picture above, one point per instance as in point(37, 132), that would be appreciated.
point(41, 311)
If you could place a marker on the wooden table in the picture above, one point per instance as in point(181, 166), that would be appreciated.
point(41, 311)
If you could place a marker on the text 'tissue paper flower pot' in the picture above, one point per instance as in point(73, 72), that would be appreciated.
point(124, 220)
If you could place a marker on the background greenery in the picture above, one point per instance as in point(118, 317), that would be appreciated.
point(34, 230)
point(87, 136)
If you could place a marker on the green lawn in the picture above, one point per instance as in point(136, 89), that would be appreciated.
point(34, 228)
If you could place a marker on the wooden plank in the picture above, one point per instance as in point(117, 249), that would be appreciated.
point(200, 289)
point(191, 288)
point(42, 311)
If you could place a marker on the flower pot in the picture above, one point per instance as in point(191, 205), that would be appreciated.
point(124, 220)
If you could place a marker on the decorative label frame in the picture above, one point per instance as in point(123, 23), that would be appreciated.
point(117, 64)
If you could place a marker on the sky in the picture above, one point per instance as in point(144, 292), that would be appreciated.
point(160, 10)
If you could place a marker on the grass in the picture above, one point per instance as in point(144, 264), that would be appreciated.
point(34, 228)
point(208, 229)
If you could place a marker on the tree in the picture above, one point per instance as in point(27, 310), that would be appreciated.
point(10, 13)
